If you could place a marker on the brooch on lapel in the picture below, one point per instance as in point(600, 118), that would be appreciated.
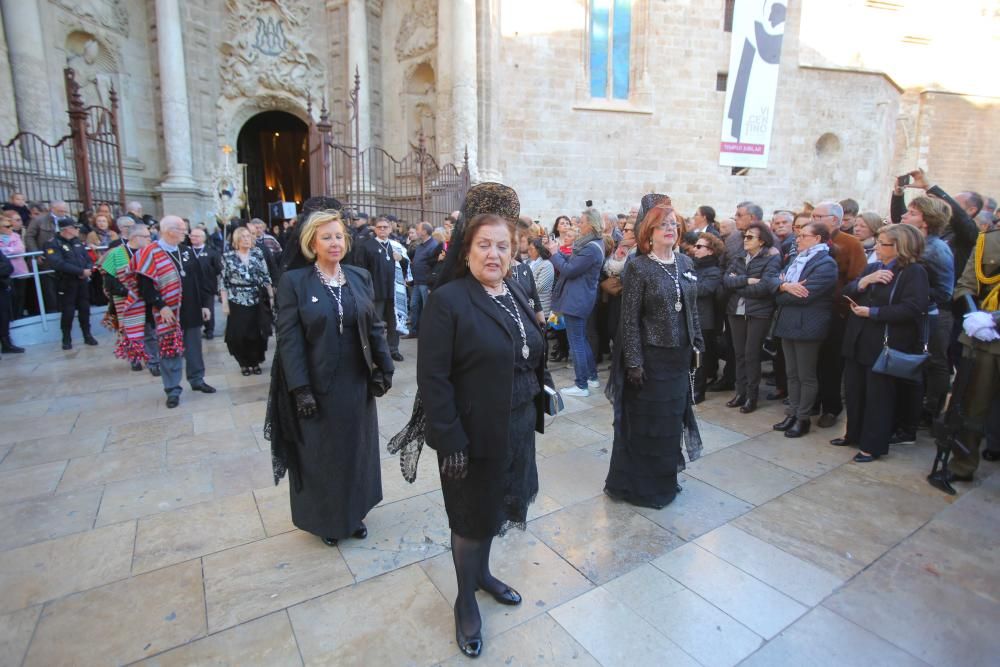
point(314, 299)
point(690, 276)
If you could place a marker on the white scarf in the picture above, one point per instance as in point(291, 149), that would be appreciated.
point(794, 269)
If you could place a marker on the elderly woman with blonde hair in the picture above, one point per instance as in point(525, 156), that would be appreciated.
point(332, 361)
point(246, 291)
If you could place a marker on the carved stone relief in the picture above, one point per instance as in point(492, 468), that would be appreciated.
point(266, 49)
point(95, 67)
point(418, 31)
point(419, 101)
point(110, 14)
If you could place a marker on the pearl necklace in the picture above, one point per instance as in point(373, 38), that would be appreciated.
point(675, 276)
point(333, 285)
point(525, 351)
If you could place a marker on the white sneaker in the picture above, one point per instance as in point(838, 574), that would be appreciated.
point(574, 391)
point(594, 384)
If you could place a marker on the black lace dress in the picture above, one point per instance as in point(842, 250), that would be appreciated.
point(495, 495)
point(648, 435)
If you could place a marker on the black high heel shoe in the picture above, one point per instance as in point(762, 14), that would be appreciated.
point(330, 541)
point(472, 646)
point(361, 533)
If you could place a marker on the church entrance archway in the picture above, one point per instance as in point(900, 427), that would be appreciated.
point(274, 145)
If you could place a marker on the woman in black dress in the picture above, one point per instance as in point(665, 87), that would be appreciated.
point(650, 385)
point(321, 418)
point(480, 373)
point(245, 291)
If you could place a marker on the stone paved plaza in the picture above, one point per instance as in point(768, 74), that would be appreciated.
point(129, 532)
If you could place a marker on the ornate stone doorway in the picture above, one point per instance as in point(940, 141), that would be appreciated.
point(275, 147)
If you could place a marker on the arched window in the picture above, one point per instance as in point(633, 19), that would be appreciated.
point(610, 33)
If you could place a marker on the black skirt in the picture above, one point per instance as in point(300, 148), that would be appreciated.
point(243, 334)
point(646, 454)
point(495, 495)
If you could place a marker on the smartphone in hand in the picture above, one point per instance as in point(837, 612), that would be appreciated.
point(851, 301)
point(903, 180)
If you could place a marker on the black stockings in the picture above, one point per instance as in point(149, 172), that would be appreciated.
point(467, 554)
point(472, 569)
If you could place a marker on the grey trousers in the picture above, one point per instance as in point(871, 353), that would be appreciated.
point(151, 345)
point(800, 369)
point(171, 367)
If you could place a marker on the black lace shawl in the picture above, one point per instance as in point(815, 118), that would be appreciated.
point(482, 198)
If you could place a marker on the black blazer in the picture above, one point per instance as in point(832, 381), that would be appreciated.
point(863, 335)
point(465, 369)
point(307, 328)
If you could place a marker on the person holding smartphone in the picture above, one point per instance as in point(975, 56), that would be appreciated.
point(889, 298)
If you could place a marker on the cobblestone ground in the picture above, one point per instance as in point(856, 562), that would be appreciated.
point(129, 532)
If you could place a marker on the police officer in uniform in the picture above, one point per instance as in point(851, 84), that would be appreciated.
point(981, 341)
point(67, 255)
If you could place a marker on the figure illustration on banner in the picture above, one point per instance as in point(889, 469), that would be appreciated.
point(767, 45)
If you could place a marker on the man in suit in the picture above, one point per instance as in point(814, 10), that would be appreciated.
point(211, 268)
point(375, 254)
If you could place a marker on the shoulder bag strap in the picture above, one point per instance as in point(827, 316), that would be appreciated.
point(892, 292)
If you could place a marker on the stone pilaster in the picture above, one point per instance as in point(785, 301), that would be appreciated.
point(357, 56)
point(26, 49)
point(173, 97)
point(464, 89)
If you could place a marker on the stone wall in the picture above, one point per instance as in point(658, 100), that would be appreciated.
point(558, 154)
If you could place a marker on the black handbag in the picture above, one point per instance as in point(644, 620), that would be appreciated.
point(902, 365)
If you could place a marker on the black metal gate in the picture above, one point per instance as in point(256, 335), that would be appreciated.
point(413, 188)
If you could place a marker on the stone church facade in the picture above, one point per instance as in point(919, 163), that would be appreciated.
point(512, 82)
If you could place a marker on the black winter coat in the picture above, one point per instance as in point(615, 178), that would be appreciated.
point(759, 297)
point(904, 315)
point(709, 281)
point(808, 318)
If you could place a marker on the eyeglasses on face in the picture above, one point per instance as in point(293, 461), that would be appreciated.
point(747, 237)
point(702, 246)
point(800, 226)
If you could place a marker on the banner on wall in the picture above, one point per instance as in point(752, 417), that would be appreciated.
point(758, 29)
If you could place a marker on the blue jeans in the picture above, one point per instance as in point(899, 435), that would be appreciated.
point(579, 347)
point(418, 297)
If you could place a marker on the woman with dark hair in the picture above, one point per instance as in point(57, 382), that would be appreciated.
point(544, 274)
point(804, 297)
point(888, 306)
point(750, 281)
point(480, 372)
point(708, 251)
point(561, 224)
point(650, 386)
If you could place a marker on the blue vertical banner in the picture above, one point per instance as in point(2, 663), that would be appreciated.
point(621, 49)
point(600, 34)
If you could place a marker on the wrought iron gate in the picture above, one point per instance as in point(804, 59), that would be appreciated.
point(82, 168)
point(413, 188)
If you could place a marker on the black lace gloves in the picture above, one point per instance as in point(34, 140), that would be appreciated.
point(305, 402)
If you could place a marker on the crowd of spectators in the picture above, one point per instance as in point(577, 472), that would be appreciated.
point(816, 290)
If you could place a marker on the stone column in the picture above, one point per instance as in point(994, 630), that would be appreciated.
point(26, 49)
point(464, 90)
point(443, 123)
point(173, 97)
point(357, 56)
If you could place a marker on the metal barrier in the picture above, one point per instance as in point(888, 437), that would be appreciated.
point(35, 273)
